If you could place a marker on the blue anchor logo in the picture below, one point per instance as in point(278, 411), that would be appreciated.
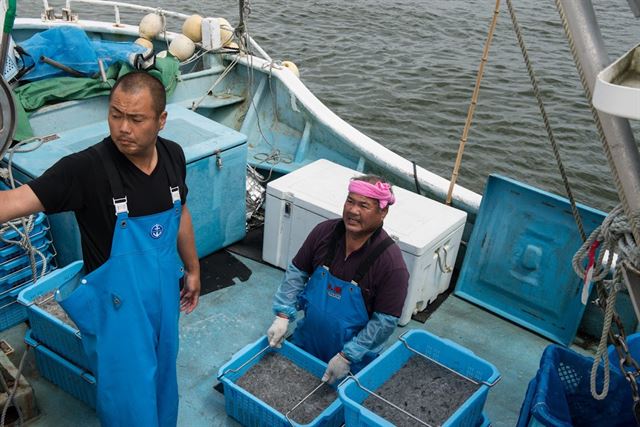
point(156, 231)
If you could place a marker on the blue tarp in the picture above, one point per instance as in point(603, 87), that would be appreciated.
point(72, 47)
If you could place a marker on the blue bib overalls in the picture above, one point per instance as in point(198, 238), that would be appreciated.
point(127, 311)
point(334, 310)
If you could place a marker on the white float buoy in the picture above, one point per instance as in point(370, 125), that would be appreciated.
point(292, 67)
point(150, 26)
point(192, 28)
point(182, 47)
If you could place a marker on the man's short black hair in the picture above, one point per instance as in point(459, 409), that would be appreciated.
point(137, 80)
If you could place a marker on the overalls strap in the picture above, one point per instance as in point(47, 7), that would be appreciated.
point(366, 263)
point(117, 189)
point(169, 166)
point(115, 182)
point(338, 232)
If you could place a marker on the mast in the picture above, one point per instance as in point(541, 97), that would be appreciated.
point(617, 137)
point(618, 141)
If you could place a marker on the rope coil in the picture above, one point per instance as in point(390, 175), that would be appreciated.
point(614, 236)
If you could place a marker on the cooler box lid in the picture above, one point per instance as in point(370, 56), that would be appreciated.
point(322, 187)
point(518, 260)
point(198, 136)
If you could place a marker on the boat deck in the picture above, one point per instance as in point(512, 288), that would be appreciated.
point(230, 318)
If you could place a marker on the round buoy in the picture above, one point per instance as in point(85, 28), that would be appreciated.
point(292, 67)
point(150, 26)
point(182, 47)
point(192, 28)
point(147, 44)
point(226, 34)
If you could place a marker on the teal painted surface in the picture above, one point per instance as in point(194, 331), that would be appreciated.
point(216, 171)
point(518, 261)
point(231, 318)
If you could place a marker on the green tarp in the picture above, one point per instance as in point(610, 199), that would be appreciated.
point(32, 96)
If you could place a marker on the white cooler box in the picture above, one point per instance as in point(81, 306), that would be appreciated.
point(428, 232)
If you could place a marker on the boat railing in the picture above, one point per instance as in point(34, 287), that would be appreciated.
point(67, 13)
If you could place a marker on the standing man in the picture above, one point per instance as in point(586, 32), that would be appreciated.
point(350, 280)
point(128, 194)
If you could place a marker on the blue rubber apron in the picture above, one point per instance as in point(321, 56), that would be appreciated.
point(334, 309)
point(127, 311)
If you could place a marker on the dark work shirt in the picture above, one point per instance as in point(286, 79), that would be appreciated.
point(79, 183)
point(384, 286)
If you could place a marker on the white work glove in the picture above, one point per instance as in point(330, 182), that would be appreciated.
point(338, 368)
point(277, 331)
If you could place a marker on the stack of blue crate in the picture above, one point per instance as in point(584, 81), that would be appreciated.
point(59, 353)
point(15, 267)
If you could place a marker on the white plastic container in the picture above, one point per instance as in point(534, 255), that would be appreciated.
point(428, 232)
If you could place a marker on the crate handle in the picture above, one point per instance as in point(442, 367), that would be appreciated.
point(447, 268)
point(413, 350)
point(219, 377)
point(286, 415)
point(393, 405)
point(87, 377)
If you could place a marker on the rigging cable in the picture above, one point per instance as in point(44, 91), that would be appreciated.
point(545, 119)
point(596, 117)
point(474, 102)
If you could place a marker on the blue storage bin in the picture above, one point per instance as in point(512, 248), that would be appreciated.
point(19, 260)
point(11, 312)
point(48, 329)
point(443, 351)
point(72, 379)
point(247, 409)
point(37, 235)
point(216, 157)
point(560, 394)
point(24, 275)
point(9, 252)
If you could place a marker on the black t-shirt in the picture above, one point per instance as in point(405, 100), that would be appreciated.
point(79, 183)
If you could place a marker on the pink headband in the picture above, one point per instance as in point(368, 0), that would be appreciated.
point(380, 191)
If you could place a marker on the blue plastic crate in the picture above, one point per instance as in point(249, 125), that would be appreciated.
point(560, 394)
point(48, 329)
point(9, 251)
point(24, 275)
point(20, 259)
point(72, 379)
point(249, 410)
point(11, 312)
point(40, 223)
point(443, 351)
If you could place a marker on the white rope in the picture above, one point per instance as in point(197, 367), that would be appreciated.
point(614, 235)
point(12, 393)
point(24, 226)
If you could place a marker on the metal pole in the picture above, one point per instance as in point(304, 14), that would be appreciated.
point(240, 28)
point(617, 138)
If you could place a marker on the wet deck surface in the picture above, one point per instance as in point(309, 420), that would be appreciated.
point(230, 318)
